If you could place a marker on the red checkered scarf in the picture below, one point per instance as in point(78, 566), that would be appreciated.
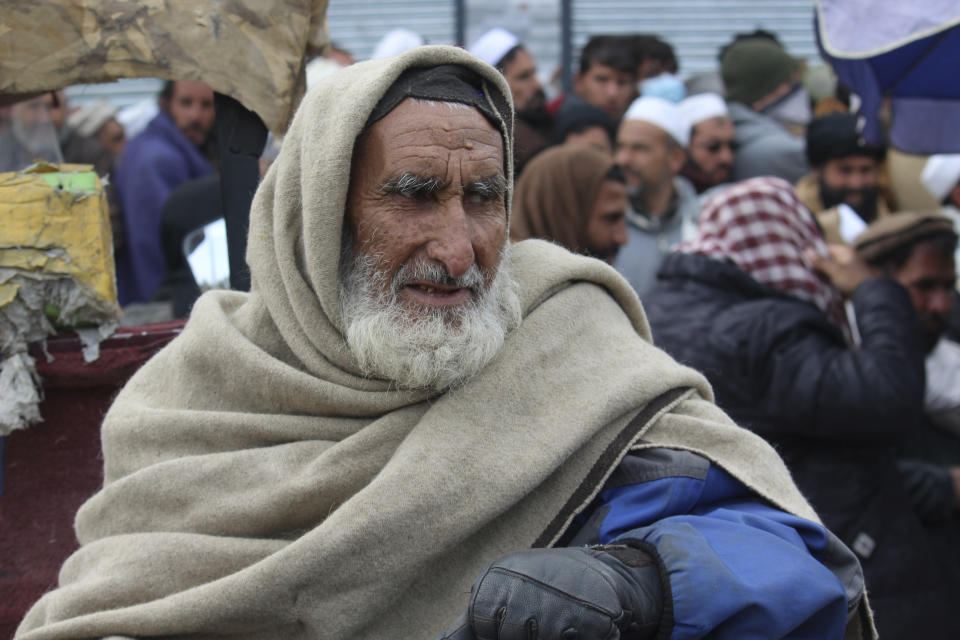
point(760, 226)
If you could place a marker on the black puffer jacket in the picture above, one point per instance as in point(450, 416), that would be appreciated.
point(836, 414)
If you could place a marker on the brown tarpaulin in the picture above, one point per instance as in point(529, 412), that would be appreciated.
point(251, 50)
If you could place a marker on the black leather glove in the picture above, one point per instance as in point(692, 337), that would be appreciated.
point(930, 487)
point(609, 592)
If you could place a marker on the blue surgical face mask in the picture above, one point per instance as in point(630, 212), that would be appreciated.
point(666, 86)
point(791, 109)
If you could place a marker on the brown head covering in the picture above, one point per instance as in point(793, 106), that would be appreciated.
point(554, 195)
point(894, 231)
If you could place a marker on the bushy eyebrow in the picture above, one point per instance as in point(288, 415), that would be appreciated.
point(489, 188)
point(410, 185)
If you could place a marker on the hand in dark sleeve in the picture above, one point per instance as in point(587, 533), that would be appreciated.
point(930, 487)
point(609, 592)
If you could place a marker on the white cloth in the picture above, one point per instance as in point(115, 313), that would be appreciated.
point(942, 400)
point(136, 117)
point(493, 45)
point(396, 42)
point(703, 106)
point(90, 118)
point(661, 113)
point(941, 174)
point(851, 224)
point(319, 68)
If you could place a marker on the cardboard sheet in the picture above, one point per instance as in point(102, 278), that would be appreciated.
point(56, 270)
point(252, 50)
point(56, 221)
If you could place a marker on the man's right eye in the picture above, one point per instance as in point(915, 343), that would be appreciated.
point(418, 195)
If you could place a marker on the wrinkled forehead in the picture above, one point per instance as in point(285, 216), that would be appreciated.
point(452, 85)
point(449, 124)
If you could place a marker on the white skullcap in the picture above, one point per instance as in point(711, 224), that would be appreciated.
point(396, 42)
point(89, 119)
point(941, 174)
point(703, 106)
point(319, 68)
point(663, 114)
point(493, 45)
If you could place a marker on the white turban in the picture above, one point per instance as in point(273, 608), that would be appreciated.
point(493, 45)
point(941, 174)
point(703, 106)
point(396, 42)
point(661, 113)
point(89, 119)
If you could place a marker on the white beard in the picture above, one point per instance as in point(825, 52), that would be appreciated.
point(423, 347)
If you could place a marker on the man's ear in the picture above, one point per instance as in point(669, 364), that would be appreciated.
point(577, 83)
point(955, 196)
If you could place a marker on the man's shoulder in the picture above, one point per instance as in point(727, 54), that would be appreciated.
point(151, 150)
point(756, 129)
point(770, 140)
point(159, 138)
point(770, 152)
point(570, 101)
point(688, 202)
point(719, 293)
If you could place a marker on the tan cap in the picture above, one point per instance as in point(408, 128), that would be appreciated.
point(894, 231)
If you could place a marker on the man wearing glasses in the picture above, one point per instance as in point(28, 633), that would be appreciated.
point(712, 146)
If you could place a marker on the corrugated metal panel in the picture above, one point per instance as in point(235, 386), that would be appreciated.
point(357, 25)
point(697, 28)
point(120, 94)
point(535, 22)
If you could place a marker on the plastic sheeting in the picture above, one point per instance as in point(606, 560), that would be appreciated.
point(901, 60)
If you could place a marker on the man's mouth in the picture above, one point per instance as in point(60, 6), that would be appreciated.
point(436, 295)
point(854, 198)
point(722, 172)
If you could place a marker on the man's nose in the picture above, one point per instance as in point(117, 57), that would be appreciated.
point(620, 156)
point(195, 111)
point(856, 181)
point(726, 154)
point(452, 244)
point(941, 301)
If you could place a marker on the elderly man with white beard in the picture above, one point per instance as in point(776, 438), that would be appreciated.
point(405, 405)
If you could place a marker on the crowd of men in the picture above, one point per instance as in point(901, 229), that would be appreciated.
point(417, 395)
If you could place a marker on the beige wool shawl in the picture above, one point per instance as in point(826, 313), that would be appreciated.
point(256, 486)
